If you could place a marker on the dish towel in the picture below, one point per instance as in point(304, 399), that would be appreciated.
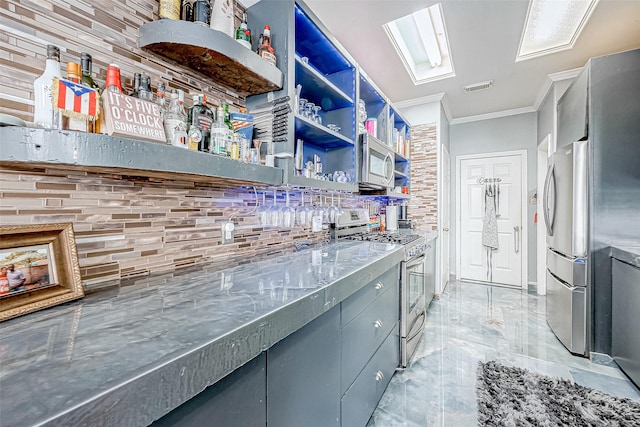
point(490, 226)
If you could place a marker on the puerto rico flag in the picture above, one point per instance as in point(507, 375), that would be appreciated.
point(74, 99)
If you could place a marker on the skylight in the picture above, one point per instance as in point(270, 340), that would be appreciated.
point(553, 26)
point(421, 42)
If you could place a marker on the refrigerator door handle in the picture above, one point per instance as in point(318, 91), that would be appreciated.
point(516, 238)
point(549, 200)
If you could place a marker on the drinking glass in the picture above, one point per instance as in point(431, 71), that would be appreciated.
point(332, 212)
point(274, 212)
point(301, 104)
point(316, 114)
point(308, 110)
point(263, 212)
point(287, 213)
point(303, 213)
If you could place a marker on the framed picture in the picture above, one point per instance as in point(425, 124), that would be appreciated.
point(38, 268)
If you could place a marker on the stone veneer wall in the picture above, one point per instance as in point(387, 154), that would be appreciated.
point(128, 226)
point(107, 29)
point(423, 205)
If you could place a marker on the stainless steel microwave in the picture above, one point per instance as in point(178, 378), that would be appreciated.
point(377, 163)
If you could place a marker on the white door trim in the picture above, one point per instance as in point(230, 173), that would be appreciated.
point(441, 286)
point(525, 218)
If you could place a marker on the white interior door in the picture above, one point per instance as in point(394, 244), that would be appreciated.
point(503, 265)
point(446, 219)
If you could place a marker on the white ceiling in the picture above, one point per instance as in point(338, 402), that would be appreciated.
point(484, 36)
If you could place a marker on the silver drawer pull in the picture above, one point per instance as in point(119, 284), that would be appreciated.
point(377, 324)
point(379, 286)
point(379, 376)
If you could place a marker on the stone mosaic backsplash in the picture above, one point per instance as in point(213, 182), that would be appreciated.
point(423, 205)
point(128, 226)
point(106, 29)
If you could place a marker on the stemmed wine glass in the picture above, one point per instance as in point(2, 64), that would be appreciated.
point(263, 212)
point(287, 213)
point(332, 212)
point(274, 212)
point(301, 104)
point(303, 213)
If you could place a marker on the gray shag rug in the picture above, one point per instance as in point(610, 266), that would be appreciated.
point(517, 397)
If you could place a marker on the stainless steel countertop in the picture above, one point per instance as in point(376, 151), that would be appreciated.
point(129, 355)
point(628, 254)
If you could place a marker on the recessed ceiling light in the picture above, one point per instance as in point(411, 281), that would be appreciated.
point(553, 26)
point(420, 39)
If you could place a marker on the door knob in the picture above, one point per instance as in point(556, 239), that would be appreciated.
point(445, 229)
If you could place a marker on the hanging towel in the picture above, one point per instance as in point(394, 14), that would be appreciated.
point(490, 221)
point(490, 225)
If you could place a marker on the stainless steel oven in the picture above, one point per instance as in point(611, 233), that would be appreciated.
point(377, 163)
point(412, 301)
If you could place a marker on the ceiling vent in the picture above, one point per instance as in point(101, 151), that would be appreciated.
point(478, 86)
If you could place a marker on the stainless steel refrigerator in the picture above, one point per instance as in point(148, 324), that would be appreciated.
point(592, 198)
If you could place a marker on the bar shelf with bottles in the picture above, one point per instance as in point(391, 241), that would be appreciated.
point(62, 149)
point(319, 79)
point(212, 53)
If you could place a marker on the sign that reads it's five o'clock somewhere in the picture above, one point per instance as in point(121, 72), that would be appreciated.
point(131, 117)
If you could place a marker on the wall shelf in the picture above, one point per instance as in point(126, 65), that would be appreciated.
point(211, 53)
point(321, 136)
point(105, 154)
point(330, 96)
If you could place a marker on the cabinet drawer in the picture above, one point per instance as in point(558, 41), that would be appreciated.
point(357, 302)
point(361, 399)
point(362, 336)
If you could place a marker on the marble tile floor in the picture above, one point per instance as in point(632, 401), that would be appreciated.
point(473, 322)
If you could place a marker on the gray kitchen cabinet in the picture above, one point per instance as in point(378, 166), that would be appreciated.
point(370, 346)
point(303, 375)
point(239, 399)
point(625, 339)
point(361, 399)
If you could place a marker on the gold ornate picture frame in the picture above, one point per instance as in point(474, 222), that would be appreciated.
point(38, 268)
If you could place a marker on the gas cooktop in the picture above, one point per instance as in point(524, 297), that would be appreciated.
point(385, 237)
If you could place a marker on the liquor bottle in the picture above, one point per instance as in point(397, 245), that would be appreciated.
point(144, 90)
point(201, 117)
point(243, 34)
point(44, 115)
point(202, 12)
point(136, 85)
point(220, 135)
point(186, 14)
point(114, 81)
point(169, 9)
point(87, 80)
point(175, 122)
point(161, 98)
point(73, 123)
point(265, 50)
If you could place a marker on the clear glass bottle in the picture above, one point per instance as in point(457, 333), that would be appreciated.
point(175, 123)
point(44, 115)
point(265, 50)
point(220, 136)
point(161, 97)
point(202, 12)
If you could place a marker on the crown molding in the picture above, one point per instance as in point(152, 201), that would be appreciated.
point(550, 80)
point(419, 101)
point(494, 115)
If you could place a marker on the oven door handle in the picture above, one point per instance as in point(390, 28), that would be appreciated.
point(423, 315)
point(415, 261)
